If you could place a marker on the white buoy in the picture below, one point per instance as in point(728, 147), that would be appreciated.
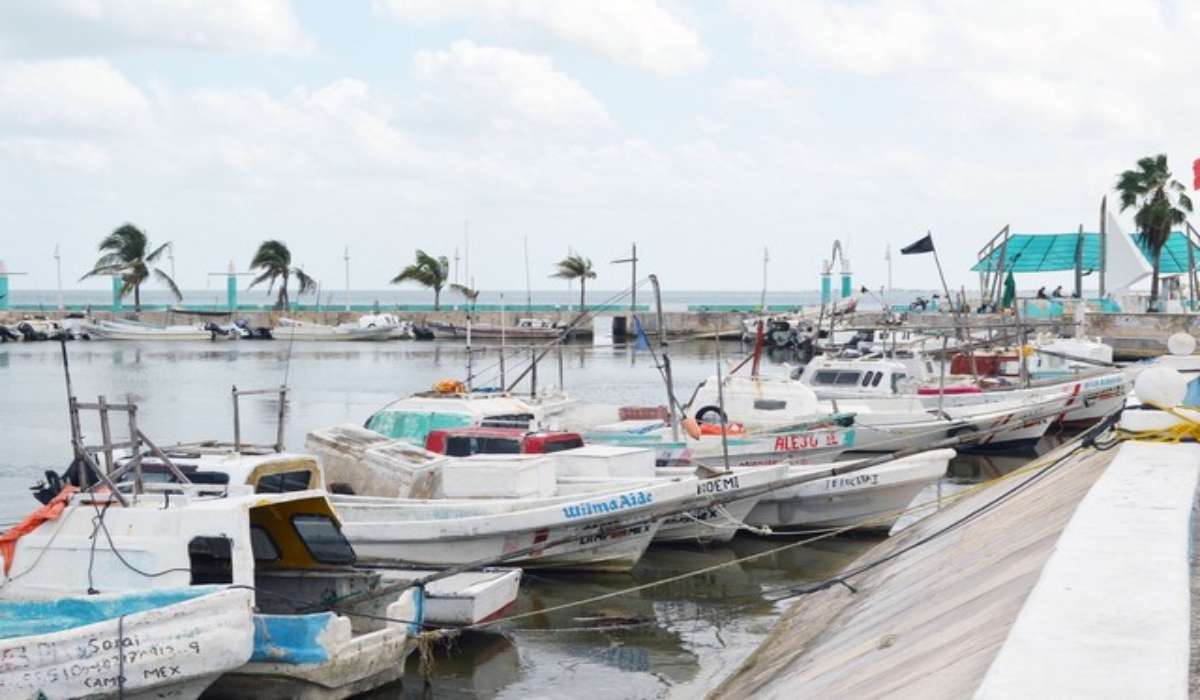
point(1161, 385)
point(1181, 344)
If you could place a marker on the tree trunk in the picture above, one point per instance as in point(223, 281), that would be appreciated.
point(437, 299)
point(1154, 282)
point(582, 295)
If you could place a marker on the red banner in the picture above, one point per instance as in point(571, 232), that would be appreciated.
point(1196, 174)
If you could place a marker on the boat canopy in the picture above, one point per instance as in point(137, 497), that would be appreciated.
point(1054, 252)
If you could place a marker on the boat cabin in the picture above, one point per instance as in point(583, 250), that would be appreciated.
point(288, 547)
point(832, 377)
point(449, 405)
point(753, 400)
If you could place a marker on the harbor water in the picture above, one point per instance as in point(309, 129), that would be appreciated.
point(656, 632)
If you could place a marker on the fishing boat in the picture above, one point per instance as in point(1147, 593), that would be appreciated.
point(323, 626)
point(450, 404)
point(1091, 392)
point(785, 495)
point(707, 524)
point(523, 329)
point(775, 403)
point(171, 642)
point(126, 329)
point(292, 329)
point(402, 503)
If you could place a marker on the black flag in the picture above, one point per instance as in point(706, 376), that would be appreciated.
point(925, 245)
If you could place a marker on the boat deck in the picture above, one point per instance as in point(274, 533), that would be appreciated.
point(1075, 583)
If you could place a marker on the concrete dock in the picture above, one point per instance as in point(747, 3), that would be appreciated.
point(1071, 580)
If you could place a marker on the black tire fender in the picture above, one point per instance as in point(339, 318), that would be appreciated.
point(703, 415)
point(963, 431)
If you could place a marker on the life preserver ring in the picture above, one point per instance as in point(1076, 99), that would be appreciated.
point(710, 414)
point(715, 429)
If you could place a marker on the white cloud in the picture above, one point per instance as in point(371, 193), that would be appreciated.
point(516, 90)
point(77, 93)
point(240, 26)
point(636, 33)
point(56, 153)
point(977, 65)
point(858, 37)
point(306, 138)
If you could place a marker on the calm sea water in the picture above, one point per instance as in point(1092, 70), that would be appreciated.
point(674, 640)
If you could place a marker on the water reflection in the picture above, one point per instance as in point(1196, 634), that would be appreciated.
point(643, 634)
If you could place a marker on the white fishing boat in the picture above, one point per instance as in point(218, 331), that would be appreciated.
point(785, 495)
point(450, 404)
point(292, 329)
point(413, 506)
point(594, 464)
point(1090, 392)
point(323, 626)
point(135, 644)
point(760, 403)
point(125, 329)
point(523, 329)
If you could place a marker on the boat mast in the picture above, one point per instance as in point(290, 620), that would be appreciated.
point(666, 360)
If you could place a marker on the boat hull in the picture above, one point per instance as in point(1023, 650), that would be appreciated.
point(176, 647)
point(873, 498)
point(323, 656)
point(603, 526)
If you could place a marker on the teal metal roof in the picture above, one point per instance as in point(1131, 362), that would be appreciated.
point(1174, 259)
point(1053, 252)
point(1044, 252)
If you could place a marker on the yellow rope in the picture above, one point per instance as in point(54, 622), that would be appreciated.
point(1188, 428)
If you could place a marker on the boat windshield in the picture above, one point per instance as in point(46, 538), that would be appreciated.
point(323, 538)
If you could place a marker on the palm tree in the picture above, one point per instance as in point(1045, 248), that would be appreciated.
point(1161, 204)
point(125, 255)
point(276, 262)
point(427, 271)
point(576, 266)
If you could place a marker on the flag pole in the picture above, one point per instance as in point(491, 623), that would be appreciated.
point(945, 287)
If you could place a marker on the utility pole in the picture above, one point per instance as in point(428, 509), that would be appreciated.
point(632, 259)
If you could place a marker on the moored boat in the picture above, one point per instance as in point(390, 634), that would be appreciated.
point(323, 626)
point(292, 329)
point(160, 643)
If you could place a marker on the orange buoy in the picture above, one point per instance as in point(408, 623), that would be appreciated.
point(691, 427)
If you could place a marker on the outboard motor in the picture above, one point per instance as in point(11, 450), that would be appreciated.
point(7, 335)
point(29, 332)
point(215, 329)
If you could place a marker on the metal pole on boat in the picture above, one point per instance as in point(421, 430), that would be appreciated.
point(346, 257)
point(237, 423)
point(666, 360)
point(721, 412)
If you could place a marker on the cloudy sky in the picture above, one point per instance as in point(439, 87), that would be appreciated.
point(507, 134)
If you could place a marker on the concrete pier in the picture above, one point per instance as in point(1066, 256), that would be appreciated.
point(1069, 581)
